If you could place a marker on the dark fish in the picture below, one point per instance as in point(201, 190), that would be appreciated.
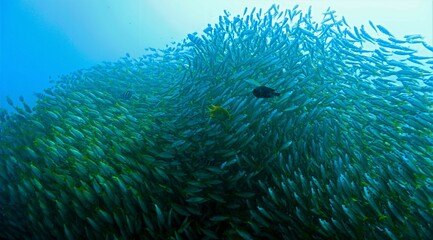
point(265, 92)
point(126, 95)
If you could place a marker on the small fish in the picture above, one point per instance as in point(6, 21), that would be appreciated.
point(384, 30)
point(264, 92)
point(40, 95)
point(126, 95)
point(218, 112)
point(27, 107)
point(9, 100)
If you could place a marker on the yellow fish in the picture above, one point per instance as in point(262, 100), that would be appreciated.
point(219, 112)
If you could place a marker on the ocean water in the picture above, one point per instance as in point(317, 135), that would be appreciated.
point(127, 121)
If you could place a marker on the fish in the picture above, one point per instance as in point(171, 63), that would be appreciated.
point(384, 30)
point(218, 112)
point(40, 95)
point(9, 100)
point(126, 95)
point(265, 92)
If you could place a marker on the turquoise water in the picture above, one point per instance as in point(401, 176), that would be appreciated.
point(174, 145)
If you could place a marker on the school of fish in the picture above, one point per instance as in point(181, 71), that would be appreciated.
point(175, 145)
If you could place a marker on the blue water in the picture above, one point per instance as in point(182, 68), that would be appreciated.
point(32, 52)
